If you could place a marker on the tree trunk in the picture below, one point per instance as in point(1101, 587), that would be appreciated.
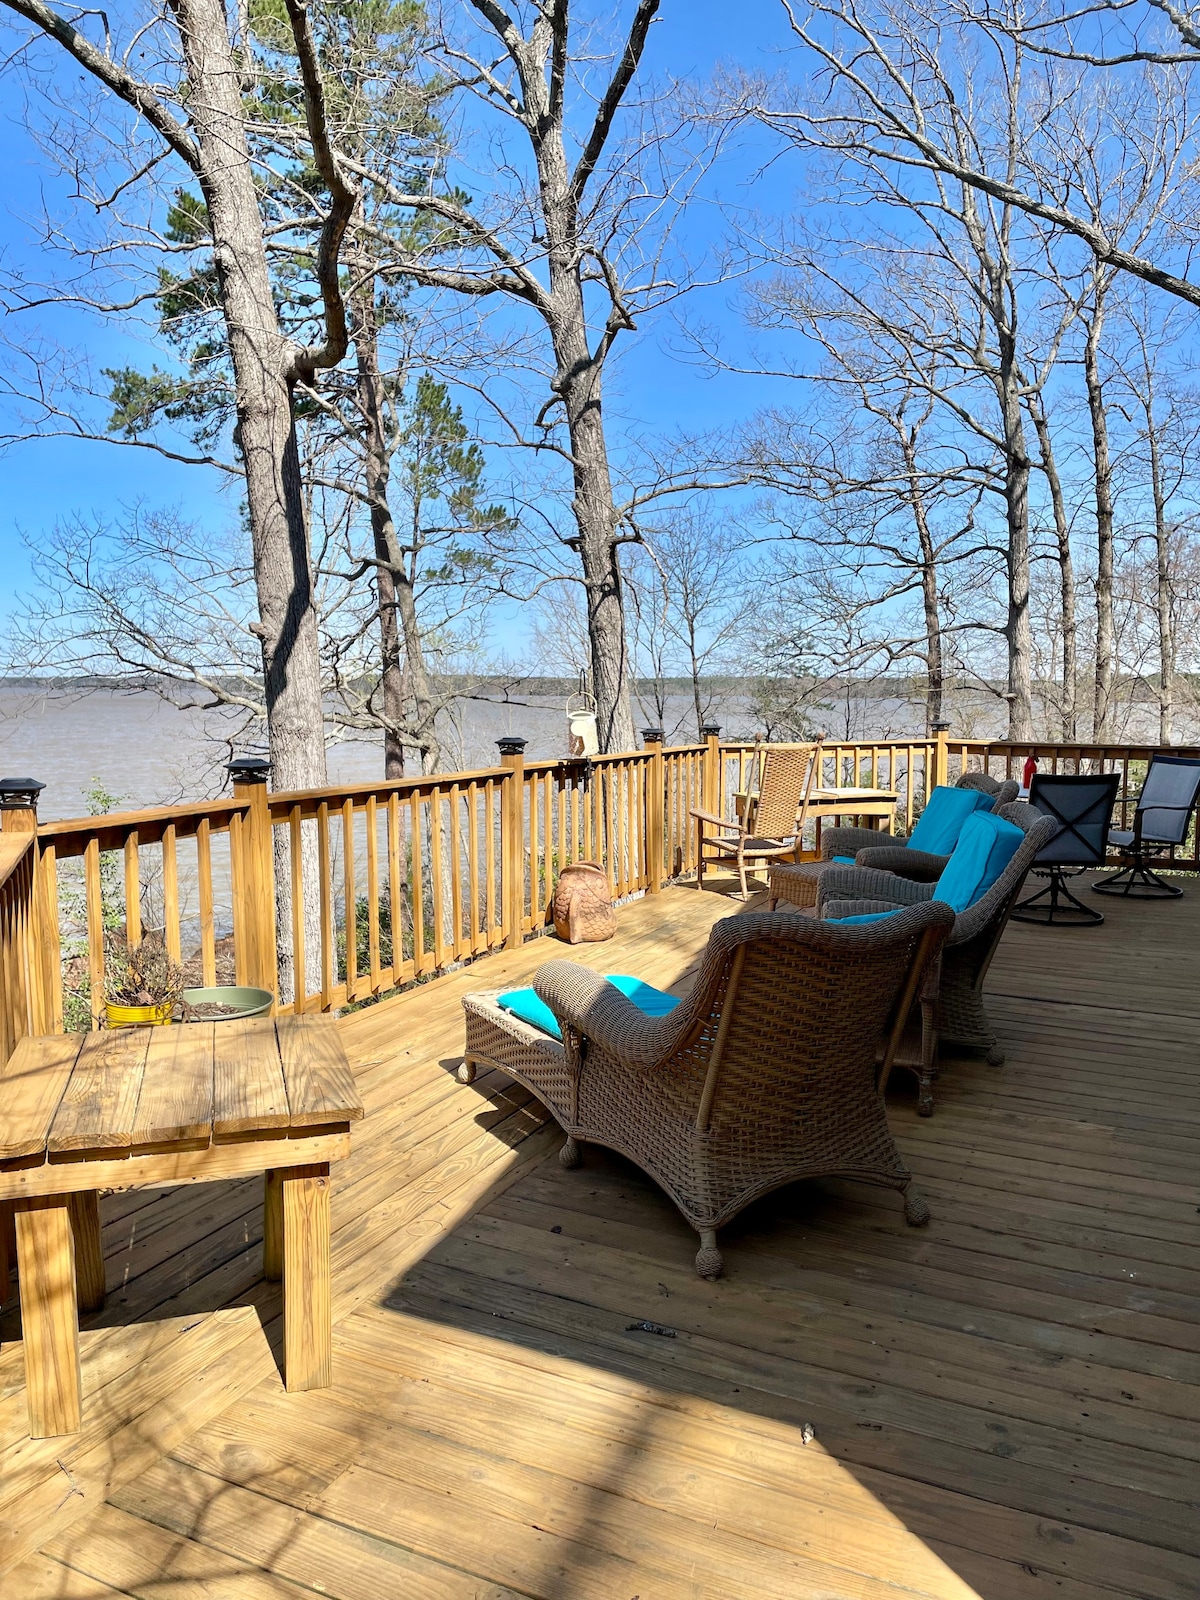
point(1066, 571)
point(935, 675)
point(266, 437)
point(424, 707)
point(694, 659)
point(377, 474)
point(578, 383)
point(1102, 693)
point(1016, 506)
point(599, 554)
point(1165, 592)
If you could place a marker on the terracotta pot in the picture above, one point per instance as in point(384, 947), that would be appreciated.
point(583, 912)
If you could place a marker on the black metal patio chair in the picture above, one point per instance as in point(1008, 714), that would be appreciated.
point(1163, 815)
point(1082, 805)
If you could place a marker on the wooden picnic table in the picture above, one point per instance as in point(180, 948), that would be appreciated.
point(145, 1107)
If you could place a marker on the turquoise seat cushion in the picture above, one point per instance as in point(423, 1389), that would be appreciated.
point(869, 916)
point(942, 820)
point(985, 847)
point(846, 861)
point(530, 1007)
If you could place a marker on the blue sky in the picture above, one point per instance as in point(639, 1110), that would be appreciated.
point(44, 481)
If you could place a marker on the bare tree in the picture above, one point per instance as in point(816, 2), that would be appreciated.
point(1166, 433)
point(688, 594)
point(975, 95)
point(570, 230)
point(881, 60)
point(199, 122)
point(1065, 558)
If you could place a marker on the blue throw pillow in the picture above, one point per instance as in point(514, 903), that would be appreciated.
point(846, 861)
point(942, 820)
point(868, 916)
point(985, 847)
point(530, 1007)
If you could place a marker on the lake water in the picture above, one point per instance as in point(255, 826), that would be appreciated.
point(145, 750)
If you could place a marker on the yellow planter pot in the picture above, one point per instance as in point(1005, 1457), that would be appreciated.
point(138, 1016)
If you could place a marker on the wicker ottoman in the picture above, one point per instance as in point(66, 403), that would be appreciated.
point(795, 881)
point(496, 1038)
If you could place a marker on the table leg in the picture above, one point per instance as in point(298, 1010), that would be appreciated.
point(8, 1247)
point(49, 1315)
point(307, 1311)
point(84, 1211)
point(273, 1226)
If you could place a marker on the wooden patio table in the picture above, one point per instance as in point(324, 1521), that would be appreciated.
point(146, 1107)
point(876, 806)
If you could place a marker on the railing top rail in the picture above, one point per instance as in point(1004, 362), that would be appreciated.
point(1137, 749)
point(13, 849)
point(151, 820)
point(421, 784)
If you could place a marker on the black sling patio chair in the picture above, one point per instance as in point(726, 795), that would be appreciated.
point(1164, 813)
point(1082, 806)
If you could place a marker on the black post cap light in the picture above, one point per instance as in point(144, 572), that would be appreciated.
point(16, 793)
point(710, 730)
point(510, 745)
point(939, 727)
point(652, 736)
point(249, 769)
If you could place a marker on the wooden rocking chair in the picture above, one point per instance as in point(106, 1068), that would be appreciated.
point(774, 818)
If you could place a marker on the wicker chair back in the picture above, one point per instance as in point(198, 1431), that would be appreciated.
point(790, 1016)
point(1003, 791)
point(786, 782)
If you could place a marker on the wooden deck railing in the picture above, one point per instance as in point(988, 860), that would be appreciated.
point(21, 993)
point(333, 896)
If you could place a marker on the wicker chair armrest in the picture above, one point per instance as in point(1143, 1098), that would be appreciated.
point(847, 841)
point(921, 865)
point(856, 908)
point(583, 1000)
point(729, 824)
point(864, 883)
point(711, 816)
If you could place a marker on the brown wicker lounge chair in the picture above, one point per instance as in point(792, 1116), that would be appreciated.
point(893, 855)
point(775, 817)
point(765, 1074)
point(796, 884)
point(954, 1010)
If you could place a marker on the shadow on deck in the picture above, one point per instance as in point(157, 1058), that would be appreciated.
point(1002, 1405)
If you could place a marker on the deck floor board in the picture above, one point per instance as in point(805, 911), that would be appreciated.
point(1003, 1405)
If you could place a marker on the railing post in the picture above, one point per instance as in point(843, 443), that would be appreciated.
point(941, 757)
point(18, 804)
point(652, 738)
point(253, 886)
point(18, 814)
point(512, 840)
point(713, 786)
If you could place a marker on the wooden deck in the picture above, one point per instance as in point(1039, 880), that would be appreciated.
point(1002, 1405)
